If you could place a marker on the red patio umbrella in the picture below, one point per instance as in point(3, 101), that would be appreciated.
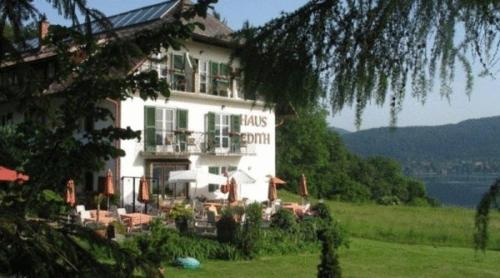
point(233, 195)
point(70, 195)
point(7, 174)
point(109, 189)
point(144, 193)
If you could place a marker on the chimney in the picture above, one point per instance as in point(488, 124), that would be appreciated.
point(43, 29)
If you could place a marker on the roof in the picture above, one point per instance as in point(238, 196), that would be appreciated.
point(138, 16)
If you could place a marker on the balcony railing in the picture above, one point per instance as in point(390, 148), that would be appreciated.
point(185, 142)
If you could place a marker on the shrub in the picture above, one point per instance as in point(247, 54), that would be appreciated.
point(227, 227)
point(329, 266)
point(249, 239)
point(284, 220)
point(322, 211)
point(388, 200)
point(181, 216)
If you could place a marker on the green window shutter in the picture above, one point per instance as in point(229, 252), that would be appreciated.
point(235, 127)
point(213, 170)
point(210, 129)
point(224, 69)
point(182, 118)
point(182, 123)
point(149, 128)
point(232, 168)
point(213, 187)
point(214, 69)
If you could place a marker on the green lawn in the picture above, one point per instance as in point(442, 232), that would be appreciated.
point(386, 241)
point(416, 225)
point(365, 258)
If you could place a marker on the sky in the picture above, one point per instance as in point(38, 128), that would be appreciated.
point(484, 101)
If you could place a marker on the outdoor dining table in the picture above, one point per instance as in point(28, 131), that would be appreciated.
point(136, 218)
point(294, 207)
point(105, 217)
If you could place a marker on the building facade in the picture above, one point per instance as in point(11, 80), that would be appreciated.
point(206, 124)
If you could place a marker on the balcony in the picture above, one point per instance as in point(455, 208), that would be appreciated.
point(183, 143)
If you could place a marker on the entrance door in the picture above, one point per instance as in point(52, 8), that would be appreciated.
point(161, 172)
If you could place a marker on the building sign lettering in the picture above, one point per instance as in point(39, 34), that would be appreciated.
point(261, 138)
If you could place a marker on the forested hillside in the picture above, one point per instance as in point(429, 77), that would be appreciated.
point(306, 145)
point(472, 145)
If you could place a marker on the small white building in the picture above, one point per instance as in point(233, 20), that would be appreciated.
point(205, 124)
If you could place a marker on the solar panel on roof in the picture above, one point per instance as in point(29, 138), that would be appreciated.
point(138, 16)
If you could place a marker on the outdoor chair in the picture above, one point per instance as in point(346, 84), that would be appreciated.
point(80, 208)
point(84, 217)
point(207, 226)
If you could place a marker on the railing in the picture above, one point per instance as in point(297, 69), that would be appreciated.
point(186, 142)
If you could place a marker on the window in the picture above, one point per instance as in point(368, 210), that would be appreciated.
point(221, 170)
point(203, 71)
point(213, 187)
point(223, 132)
point(161, 126)
point(219, 74)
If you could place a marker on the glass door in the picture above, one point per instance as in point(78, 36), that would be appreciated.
point(160, 171)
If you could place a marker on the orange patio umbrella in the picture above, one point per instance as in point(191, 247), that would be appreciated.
point(109, 189)
point(144, 192)
point(7, 174)
point(232, 196)
point(273, 182)
point(303, 186)
point(70, 195)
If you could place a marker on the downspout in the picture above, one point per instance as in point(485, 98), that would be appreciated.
point(117, 124)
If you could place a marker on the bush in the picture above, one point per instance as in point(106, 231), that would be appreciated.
point(249, 239)
point(285, 220)
point(227, 227)
point(388, 200)
point(329, 266)
point(322, 211)
point(165, 245)
point(181, 216)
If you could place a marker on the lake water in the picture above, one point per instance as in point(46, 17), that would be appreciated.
point(458, 190)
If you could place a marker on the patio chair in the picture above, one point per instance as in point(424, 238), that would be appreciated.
point(84, 217)
point(207, 226)
point(80, 208)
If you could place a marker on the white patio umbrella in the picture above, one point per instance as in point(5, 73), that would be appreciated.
point(195, 175)
point(241, 178)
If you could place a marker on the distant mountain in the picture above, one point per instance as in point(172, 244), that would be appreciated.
point(339, 130)
point(476, 141)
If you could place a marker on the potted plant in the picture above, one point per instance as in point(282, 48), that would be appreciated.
point(98, 227)
point(181, 216)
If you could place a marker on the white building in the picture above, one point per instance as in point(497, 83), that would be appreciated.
point(205, 124)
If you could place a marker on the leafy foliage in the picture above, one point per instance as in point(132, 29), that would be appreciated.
point(249, 239)
point(306, 145)
point(90, 75)
point(227, 227)
point(482, 215)
point(362, 49)
point(285, 220)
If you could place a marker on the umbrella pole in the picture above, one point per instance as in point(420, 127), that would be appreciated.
point(107, 205)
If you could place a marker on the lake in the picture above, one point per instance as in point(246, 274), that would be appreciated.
point(458, 190)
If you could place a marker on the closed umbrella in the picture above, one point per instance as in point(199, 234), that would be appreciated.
point(232, 196)
point(303, 187)
point(109, 189)
point(70, 196)
point(144, 193)
point(273, 182)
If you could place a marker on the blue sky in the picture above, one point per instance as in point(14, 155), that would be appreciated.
point(484, 101)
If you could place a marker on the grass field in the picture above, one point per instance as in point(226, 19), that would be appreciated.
point(445, 226)
point(364, 258)
point(386, 241)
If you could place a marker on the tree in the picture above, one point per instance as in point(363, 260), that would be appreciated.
point(44, 144)
point(361, 50)
point(488, 201)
